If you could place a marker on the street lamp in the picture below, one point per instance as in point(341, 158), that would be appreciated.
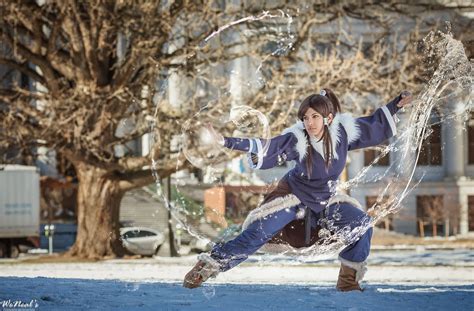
point(49, 232)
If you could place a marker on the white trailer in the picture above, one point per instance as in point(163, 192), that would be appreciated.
point(19, 208)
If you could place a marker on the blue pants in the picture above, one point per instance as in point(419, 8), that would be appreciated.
point(261, 231)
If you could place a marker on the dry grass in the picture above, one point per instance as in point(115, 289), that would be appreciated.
point(390, 238)
point(64, 258)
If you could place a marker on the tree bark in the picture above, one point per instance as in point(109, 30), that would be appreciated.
point(99, 196)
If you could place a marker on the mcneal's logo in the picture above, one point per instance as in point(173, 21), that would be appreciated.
point(10, 305)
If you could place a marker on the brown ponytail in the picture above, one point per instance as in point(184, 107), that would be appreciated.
point(309, 155)
point(334, 100)
point(327, 144)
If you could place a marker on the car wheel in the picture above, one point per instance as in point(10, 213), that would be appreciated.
point(157, 249)
point(3, 250)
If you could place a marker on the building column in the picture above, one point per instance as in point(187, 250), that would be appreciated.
point(453, 155)
point(241, 79)
point(179, 90)
point(454, 158)
point(404, 158)
point(355, 163)
point(463, 213)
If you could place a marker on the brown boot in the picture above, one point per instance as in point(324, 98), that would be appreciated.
point(347, 280)
point(350, 274)
point(205, 268)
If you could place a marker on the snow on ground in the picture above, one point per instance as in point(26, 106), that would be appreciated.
point(82, 294)
point(419, 256)
point(396, 280)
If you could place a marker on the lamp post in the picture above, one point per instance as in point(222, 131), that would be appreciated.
point(49, 232)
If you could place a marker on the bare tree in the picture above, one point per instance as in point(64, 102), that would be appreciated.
point(452, 218)
point(433, 208)
point(95, 64)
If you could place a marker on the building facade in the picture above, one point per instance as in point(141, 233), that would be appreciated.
point(443, 201)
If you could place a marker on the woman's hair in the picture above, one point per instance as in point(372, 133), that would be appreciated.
point(324, 105)
point(334, 100)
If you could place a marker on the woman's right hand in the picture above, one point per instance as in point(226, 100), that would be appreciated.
point(406, 99)
point(215, 136)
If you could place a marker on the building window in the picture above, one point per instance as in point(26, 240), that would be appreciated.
point(470, 206)
point(431, 153)
point(373, 208)
point(430, 215)
point(470, 139)
point(371, 153)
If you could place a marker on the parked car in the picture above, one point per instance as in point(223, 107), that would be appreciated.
point(229, 233)
point(201, 243)
point(141, 240)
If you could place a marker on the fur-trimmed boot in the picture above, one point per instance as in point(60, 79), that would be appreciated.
point(205, 268)
point(350, 274)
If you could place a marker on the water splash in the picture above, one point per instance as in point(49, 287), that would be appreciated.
point(201, 150)
point(449, 90)
point(209, 291)
point(132, 287)
point(193, 143)
point(263, 15)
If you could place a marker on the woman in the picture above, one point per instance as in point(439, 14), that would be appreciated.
point(318, 143)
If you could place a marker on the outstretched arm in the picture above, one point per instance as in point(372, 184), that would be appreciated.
point(380, 126)
point(262, 153)
point(215, 137)
point(241, 144)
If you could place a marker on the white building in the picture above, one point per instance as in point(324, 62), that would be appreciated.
point(446, 163)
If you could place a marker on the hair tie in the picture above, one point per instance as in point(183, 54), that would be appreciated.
point(322, 93)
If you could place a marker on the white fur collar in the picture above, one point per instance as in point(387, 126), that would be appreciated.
point(344, 119)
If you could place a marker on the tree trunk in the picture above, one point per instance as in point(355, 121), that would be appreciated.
point(421, 225)
point(98, 207)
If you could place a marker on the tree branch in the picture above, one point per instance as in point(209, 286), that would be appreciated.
point(163, 169)
point(24, 68)
point(46, 68)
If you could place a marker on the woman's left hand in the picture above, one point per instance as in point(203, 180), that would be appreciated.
point(406, 99)
point(215, 136)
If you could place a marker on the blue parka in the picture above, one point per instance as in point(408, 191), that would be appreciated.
point(347, 134)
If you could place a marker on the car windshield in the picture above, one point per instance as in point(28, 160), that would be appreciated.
point(138, 234)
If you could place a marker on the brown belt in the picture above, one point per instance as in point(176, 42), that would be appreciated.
point(298, 233)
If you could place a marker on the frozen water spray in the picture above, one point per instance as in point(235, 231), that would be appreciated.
point(449, 91)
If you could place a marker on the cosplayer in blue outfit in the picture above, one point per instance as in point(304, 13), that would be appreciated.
point(290, 214)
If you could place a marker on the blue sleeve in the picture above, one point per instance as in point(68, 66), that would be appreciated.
point(265, 153)
point(375, 129)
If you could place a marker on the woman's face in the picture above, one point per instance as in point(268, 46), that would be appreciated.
point(313, 123)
